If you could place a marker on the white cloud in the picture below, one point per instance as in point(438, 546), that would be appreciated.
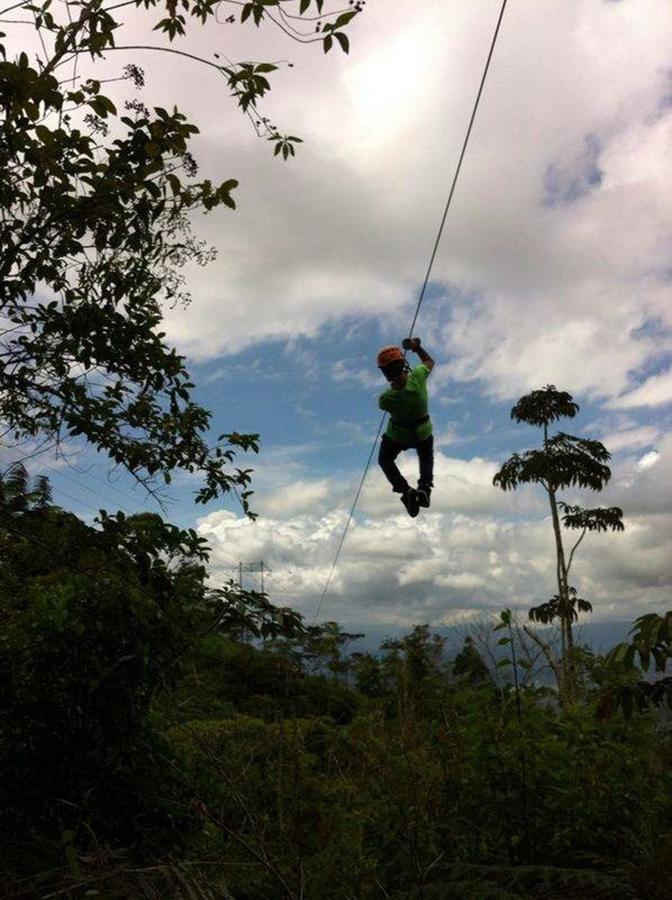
point(460, 486)
point(475, 550)
point(554, 267)
point(546, 291)
point(655, 391)
point(396, 569)
point(295, 497)
point(628, 438)
point(344, 370)
point(644, 490)
point(558, 239)
point(448, 436)
point(649, 459)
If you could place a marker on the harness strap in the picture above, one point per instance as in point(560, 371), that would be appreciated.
point(412, 423)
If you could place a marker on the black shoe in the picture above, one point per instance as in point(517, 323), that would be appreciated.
point(424, 493)
point(410, 500)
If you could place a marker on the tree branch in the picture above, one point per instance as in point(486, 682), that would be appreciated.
point(571, 555)
point(193, 56)
point(548, 653)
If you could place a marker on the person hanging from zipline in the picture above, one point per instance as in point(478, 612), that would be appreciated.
point(410, 427)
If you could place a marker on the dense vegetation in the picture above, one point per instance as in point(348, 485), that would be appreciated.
point(158, 739)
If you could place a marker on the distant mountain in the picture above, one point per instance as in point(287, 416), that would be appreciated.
point(599, 636)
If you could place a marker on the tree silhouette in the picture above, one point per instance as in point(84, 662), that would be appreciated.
point(470, 664)
point(563, 461)
point(96, 230)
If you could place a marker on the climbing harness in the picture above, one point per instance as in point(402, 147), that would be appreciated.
point(412, 424)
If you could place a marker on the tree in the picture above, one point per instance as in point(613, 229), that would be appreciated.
point(413, 669)
point(327, 646)
point(96, 207)
point(367, 670)
point(651, 642)
point(95, 622)
point(563, 461)
point(470, 664)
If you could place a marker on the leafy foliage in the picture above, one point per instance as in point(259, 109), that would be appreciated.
point(596, 519)
point(95, 232)
point(159, 738)
point(651, 642)
point(564, 461)
point(258, 769)
point(558, 608)
point(95, 622)
point(423, 799)
point(544, 406)
point(470, 664)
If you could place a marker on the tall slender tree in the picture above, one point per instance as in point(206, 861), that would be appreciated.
point(563, 461)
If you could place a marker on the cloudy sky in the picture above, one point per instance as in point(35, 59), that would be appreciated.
point(555, 267)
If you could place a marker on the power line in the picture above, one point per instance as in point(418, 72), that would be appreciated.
point(420, 298)
point(91, 490)
point(87, 507)
point(108, 481)
point(56, 470)
point(82, 504)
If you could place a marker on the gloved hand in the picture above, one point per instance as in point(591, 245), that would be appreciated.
point(411, 344)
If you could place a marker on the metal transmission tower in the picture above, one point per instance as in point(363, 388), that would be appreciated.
point(257, 568)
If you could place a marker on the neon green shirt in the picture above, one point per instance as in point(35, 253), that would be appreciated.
point(409, 402)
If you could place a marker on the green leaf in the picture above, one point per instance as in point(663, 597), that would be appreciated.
point(32, 110)
point(102, 106)
point(174, 182)
point(344, 18)
point(343, 41)
point(327, 43)
point(44, 134)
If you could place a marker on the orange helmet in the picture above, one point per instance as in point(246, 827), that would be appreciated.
point(389, 355)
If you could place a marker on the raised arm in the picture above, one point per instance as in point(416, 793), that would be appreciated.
point(414, 345)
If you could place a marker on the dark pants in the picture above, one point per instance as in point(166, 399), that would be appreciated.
point(390, 450)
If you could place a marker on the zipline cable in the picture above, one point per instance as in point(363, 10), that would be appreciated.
point(459, 166)
point(420, 298)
